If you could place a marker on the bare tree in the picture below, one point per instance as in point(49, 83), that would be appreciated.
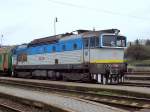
point(147, 42)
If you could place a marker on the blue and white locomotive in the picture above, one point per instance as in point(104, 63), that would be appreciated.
point(82, 55)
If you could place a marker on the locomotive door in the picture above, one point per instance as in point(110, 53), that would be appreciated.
point(86, 50)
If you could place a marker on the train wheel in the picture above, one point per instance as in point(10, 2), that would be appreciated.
point(58, 76)
point(122, 78)
point(111, 80)
point(64, 78)
point(99, 78)
point(94, 77)
point(114, 79)
point(117, 79)
point(104, 80)
point(52, 75)
point(14, 74)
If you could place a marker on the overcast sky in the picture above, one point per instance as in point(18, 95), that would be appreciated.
point(21, 21)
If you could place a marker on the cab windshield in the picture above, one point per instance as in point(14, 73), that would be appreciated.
point(113, 41)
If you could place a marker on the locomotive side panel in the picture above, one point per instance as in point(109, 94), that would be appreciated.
point(66, 57)
point(63, 52)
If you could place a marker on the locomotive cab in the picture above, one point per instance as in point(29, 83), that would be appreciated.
point(107, 63)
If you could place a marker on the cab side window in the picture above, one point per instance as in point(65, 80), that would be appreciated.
point(92, 42)
point(86, 43)
point(96, 42)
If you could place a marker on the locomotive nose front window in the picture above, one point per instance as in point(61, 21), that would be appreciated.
point(113, 41)
point(109, 40)
point(121, 41)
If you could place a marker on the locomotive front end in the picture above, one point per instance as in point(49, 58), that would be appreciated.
point(107, 62)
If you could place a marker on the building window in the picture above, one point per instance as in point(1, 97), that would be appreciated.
point(74, 46)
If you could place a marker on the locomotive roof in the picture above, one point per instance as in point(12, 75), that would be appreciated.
point(56, 38)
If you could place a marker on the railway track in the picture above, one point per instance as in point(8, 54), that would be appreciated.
point(10, 105)
point(10, 108)
point(137, 73)
point(136, 84)
point(137, 79)
point(109, 98)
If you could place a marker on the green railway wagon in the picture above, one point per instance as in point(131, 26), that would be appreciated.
point(5, 61)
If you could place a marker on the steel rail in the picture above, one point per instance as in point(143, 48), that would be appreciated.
point(136, 84)
point(11, 108)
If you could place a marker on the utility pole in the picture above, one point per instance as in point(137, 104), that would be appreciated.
point(55, 20)
point(1, 39)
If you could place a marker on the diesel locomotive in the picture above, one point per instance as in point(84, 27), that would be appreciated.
point(82, 55)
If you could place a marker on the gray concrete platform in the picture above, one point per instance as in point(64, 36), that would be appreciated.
point(69, 103)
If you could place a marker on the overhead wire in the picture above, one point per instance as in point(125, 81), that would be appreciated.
point(98, 10)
